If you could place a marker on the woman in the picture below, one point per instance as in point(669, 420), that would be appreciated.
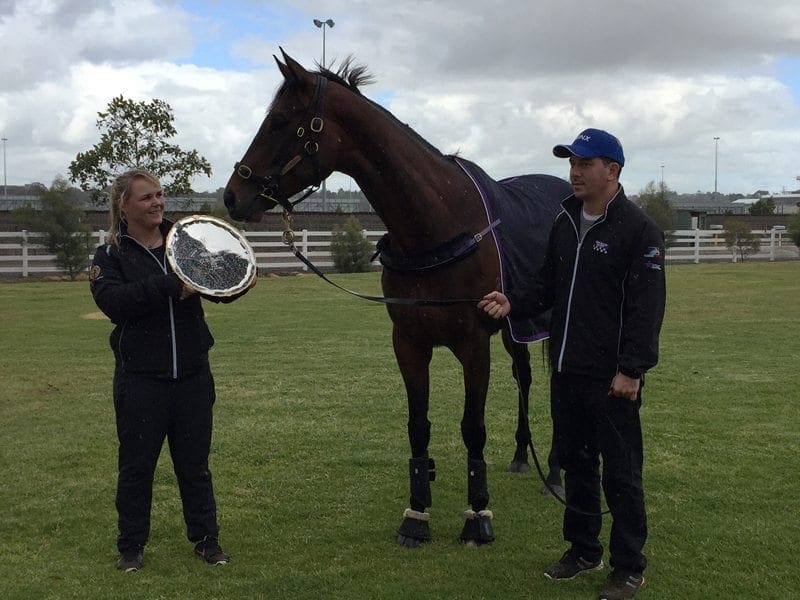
point(163, 386)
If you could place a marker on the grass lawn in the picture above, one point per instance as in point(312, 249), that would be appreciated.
point(310, 454)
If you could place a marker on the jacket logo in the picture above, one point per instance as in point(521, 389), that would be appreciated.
point(652, 252)
point(601, 247)
point(94, 273)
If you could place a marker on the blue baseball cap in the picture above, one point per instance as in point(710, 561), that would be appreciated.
point(592, 143)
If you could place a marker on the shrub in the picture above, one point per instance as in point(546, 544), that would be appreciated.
point(350, 248)
point(740, 240)
point(794, 230)
point(61, 221)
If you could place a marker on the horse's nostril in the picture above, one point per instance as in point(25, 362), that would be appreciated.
point(229, 198)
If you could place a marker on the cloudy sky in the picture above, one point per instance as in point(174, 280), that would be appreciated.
point(500, 81)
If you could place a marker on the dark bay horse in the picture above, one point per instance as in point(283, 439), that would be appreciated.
point(438, 246)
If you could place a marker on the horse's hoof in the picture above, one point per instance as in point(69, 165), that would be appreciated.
point(554, 489)
point(477, 528)
point(518, 466)
point(409, 542)
point(414, 530)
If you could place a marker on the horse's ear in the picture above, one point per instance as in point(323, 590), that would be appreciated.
point(292, 70)
point(287, 74)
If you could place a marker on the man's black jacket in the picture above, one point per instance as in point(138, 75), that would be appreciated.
point(607, 291)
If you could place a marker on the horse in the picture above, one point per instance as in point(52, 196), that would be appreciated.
point(440, 255)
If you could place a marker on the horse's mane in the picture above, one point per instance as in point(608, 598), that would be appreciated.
point(351, 76)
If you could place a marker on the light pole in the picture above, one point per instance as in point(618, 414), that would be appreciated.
point(716, 156)
point(5, 185)
point(662, 176)
point(322, 25)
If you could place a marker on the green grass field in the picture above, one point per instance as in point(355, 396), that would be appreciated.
point(310, 453)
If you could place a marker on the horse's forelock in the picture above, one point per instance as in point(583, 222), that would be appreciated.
point(349, 75)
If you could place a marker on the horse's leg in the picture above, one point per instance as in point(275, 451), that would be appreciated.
point(414, 364)
point(521, 370)
point(474, 358)
point(553, 483)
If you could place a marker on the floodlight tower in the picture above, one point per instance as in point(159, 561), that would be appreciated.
point(322, 25)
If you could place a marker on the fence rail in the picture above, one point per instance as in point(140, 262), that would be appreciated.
point(22, 253)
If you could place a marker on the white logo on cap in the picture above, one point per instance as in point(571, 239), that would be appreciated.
point(585, 138)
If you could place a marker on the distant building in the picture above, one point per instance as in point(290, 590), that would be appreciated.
point(785, 204)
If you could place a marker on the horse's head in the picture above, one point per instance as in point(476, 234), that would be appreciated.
point(284, 157)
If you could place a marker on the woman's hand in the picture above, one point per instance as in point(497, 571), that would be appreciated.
point(186, 291)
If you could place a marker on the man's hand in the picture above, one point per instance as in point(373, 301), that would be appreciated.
point(495, 304)
point(625, 387)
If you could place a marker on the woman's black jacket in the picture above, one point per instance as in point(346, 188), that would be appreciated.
point(155, 332)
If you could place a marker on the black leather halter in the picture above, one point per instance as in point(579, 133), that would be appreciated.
point(307, 146)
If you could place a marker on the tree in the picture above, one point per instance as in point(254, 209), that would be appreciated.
point(134, 135)
point(350, 249)
point(739, 239)
point(762, 207)
point(61, 220)
point(794, 230)
point(653, 200)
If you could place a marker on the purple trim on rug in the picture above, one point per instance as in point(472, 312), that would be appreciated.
point(530, 339)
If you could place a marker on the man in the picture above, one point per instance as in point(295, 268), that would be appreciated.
point(603, 276)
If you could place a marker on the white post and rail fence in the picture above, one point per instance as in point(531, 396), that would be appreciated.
point(23, 254)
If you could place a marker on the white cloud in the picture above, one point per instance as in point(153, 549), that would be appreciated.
point(501, 82)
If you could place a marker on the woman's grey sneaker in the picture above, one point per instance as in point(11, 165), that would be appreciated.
point(211, 553)
point(622, 584)
point(130, 561)
point(570, 566)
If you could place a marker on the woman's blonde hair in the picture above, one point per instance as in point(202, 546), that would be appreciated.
point(119, 194)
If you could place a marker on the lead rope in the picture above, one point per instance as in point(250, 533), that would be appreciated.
point(288, 239)
point(542, 476)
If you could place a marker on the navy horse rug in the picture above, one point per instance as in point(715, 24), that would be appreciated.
point(525, 207)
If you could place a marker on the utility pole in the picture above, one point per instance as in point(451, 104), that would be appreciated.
point(5, 184)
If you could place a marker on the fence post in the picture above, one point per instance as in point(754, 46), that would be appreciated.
point(772, 244)
point(101, 237)
point(304, 244)
point(697, 246)
point(24, 253)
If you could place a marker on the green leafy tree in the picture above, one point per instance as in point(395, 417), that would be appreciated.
point(350, 249)
point(794, 230)
point(653, 200)
point(135, 135)
point(60, 218)
point(740, 240)
point(762, 207)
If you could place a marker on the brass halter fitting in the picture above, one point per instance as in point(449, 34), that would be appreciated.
point(288, 234)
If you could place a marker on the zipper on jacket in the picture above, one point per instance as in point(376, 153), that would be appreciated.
point(163, 267)
point(575, 274)
point(571, 290)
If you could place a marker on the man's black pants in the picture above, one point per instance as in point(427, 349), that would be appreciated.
point(148, 410)
point(589, 424)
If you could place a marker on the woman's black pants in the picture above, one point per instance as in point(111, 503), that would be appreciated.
point(149, 409)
